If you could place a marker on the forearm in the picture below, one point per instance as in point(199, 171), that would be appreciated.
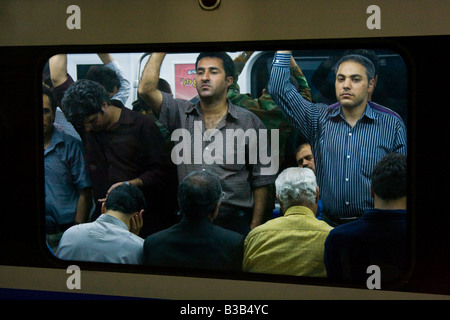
point(148, 84)
point(58, 69)
point(124, 90)
point(298, 111)
point(260, 196)
point(84, 206)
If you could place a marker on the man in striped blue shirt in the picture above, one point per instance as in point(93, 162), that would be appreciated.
point(347, 138)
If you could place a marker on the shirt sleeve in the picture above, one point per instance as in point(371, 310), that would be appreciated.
point(160, 172)
point(301, 113)
point(264, 171)
point(58, 92)
point(124, 90)
point(169, 114)
point(78, 165)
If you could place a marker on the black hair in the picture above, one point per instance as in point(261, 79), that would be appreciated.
point(365, 62)
point(389, 177)
point(228, 63)
point(199, 193)
point(48, 92)
point(369, 54)
point(82, 99)
point(105, 76)
point(127, 199)
point(164, 86)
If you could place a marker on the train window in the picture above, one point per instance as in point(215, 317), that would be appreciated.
point(106, 150)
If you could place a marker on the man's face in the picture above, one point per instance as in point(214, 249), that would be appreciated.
point(305, 158)
point(48, 115)
point(352, 84)
point(98, 121)
point(211, 79)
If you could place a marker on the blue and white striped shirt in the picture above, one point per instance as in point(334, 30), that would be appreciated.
point(344, 155)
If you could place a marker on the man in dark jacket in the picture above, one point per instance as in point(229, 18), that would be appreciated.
point(195, 242)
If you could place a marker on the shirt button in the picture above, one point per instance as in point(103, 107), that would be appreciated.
point(348, 156)
point(347, 203)
point(346, 179)
point(350, 134)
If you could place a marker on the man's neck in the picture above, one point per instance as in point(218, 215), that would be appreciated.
point(48, 137)
point(113, 115)
point(396, 204)
point(352, 115)
point(119, 215)
point(213, 113)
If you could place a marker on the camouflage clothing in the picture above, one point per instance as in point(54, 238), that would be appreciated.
point(265, 108)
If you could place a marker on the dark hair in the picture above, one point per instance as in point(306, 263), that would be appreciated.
point(164, 86)
point(228, 63)
point(127, 199)
point(389, 177)
point(105, 76)
point(365, 62)
point(82, 99)
point(199, 193)
point(369, 54)
point(48, 92)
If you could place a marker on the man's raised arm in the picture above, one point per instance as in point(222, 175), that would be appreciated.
point(58, 69)
point(148, 85)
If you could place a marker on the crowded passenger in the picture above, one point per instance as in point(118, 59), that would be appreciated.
point(247, 189)
point(292, 244)
point(113, 236)
point(110, 75)
point(195, 242)
point(345, 163)
point(347, 138)
point(380, 236)
point(68, 193)
point(305, 159)
point(123, 147)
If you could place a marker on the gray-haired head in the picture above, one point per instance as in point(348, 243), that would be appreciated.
point(199, 193)
point(296, 186)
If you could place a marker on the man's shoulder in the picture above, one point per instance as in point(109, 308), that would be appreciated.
point(231, 235)
point(378, 108)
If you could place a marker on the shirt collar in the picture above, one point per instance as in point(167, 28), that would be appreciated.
point(336, 109)
point(113, 220)
point(299, 210)
point(197, 108)
point(56, 139)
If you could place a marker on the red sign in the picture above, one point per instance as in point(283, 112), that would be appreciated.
point(185, 81)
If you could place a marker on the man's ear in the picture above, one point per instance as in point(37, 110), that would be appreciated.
point(229, 80)
point(105, 105)
point(214, 214)
point(371, 87)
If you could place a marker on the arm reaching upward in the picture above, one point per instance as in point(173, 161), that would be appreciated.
point(148, 85)
point(58, 69)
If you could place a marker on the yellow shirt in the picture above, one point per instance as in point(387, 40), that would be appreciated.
point(292, 245)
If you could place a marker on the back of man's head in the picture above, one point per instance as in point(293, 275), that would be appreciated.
point(105, 76)
point(199, 193)
point(389, 177)
point(126, 199)
point(83, 98)
point(296, 186)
